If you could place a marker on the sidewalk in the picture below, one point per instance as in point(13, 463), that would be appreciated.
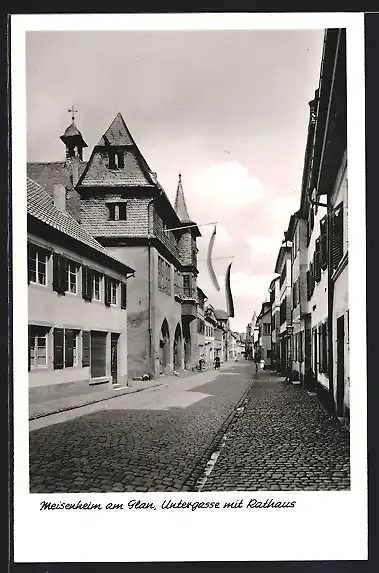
point(48, 407)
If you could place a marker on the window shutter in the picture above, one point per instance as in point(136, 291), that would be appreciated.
point(89, 284)
point(56, 266)
point(337, 237)
point(69, 357)
point(86, 348)
point(123, 295)
point(323, 244)
point(107, 290)
point(64, 274)
point(318, 260)
point(84, 282)
point(58, 348)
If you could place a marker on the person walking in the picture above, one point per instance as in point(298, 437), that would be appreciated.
point(217, 363)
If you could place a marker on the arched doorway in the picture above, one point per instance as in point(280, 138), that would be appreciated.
point(177, 348)
point(164, 347)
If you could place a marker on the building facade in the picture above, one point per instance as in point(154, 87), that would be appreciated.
point(274, 291)
point(264, 340)
point(119, 201)
point(201, 298)
point(283, 268)
point(77, 304)
point(210, 326)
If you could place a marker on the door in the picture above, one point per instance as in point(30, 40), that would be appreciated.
point(114, 356)
point(340, 364)
point(98, 354)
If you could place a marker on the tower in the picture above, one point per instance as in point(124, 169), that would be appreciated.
point(74, 142)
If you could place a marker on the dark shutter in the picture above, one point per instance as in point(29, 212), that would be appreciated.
point(98, 354)
point(58, 348)
point(107, 290)
point(69, 357)
point(318, 260)
point(29, 270)
point(87, 286)
point(59, 273)
point(323, 244)
point(86, 348)
point(337, 238)
point(64, 276)
point(123, 295)
point(84, 282)
point(56, 267)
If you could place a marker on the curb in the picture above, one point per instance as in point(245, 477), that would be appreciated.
point(76, 406)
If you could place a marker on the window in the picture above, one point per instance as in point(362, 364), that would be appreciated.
point(116, 160)
point(266, 329)
point(283, 311)
point(72, 273)
point(38, 336)
point(164, 276)
point(117, 211)
point(114, 292)
point(187, 286)
point(70, 348)
point(97, 279)
point(323, 348)
point(200, 326)
point(37, 265)
point(177, 283)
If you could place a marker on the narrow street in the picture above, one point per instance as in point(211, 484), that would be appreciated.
point(160, 439)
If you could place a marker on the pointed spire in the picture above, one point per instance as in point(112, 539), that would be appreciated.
point(180, 203)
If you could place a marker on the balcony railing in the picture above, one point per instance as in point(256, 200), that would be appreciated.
point(189, 292)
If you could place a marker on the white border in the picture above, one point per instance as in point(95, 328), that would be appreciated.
point(324, 525)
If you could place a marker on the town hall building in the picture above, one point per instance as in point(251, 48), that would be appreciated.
point(118, 200)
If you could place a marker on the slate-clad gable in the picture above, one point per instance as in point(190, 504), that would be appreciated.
point(40, 206)
point(98, 173)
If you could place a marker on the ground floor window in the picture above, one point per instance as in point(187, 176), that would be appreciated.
point(38, 344)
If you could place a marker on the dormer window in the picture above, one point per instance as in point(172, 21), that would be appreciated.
point(117, 211)
point(116, 160)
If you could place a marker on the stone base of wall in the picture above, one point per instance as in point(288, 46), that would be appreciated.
point(66, 389)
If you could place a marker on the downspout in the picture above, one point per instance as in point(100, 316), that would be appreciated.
point(329, 237)
point(150, 231)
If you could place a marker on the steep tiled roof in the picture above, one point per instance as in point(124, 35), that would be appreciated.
point(72, 131)
point(117, 133)
point(180, 203)
point(41, 206)
point(98, 174)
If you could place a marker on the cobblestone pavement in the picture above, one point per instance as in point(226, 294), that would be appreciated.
point(282, 440)
point(148, 441)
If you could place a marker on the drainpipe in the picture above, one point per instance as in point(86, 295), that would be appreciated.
point(328, 206)
point(150, 231)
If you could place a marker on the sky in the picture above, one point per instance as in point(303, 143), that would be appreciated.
point(227, 109)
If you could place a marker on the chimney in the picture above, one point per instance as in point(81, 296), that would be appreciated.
point(60, 197)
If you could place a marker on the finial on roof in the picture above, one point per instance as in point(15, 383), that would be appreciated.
point(73, 111)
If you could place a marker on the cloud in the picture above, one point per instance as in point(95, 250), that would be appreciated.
point(229, 186)
point(263, 246)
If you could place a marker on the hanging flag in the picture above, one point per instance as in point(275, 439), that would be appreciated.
point(228, 293)
point(209, 260)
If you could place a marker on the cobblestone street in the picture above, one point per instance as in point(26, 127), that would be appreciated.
point(160, 439)
point(282, 440)
point(149, 441)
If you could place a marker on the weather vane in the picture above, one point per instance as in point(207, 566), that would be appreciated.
point(73, 111)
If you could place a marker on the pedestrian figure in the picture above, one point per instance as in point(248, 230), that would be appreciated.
point(262, 364)
point(217, 363)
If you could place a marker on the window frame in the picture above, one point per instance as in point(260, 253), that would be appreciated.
point(99, 276)
point(33, 361)
point(76, 266)
point(38, 251)
point(113, 285)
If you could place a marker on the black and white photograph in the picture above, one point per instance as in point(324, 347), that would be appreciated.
point(186, 264)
